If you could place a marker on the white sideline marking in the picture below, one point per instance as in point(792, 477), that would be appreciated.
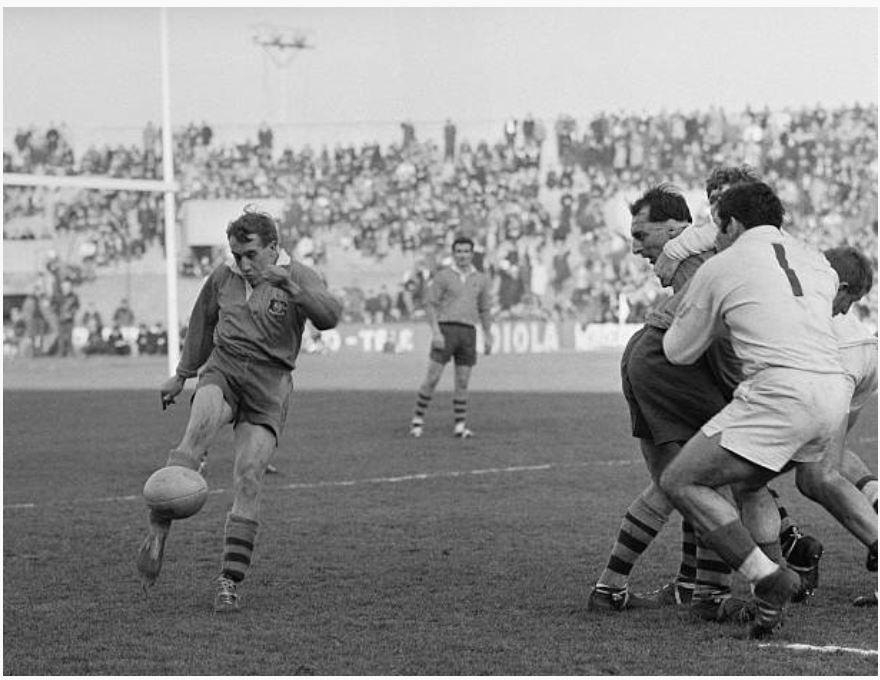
point(370, 480)
point(824, 648)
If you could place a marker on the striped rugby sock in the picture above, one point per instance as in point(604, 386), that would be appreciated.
point(238, 546)
point(735, 545)
point(422, 403)
point(687, 570)
point(639, 526)
point(714, 576)
point(459, 409)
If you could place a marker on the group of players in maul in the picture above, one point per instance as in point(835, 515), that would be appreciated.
point(751, 368)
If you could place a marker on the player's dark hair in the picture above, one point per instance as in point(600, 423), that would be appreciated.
point(253, 222)
point(752, 204)
point(462, 240)
point(853, 268)
point(728, 175)
point(665, 202)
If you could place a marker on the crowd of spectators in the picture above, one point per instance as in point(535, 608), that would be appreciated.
point(544, 229)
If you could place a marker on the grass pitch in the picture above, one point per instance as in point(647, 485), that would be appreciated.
point(377, 554)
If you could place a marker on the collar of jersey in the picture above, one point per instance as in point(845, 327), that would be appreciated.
point(763, 232)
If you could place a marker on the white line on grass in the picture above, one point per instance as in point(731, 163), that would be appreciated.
point(825, 649)
point(370, 480)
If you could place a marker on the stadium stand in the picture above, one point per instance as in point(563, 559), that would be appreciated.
point(377, 221)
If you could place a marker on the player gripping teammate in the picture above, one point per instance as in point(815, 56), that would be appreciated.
point(854, 271)
point(801, 551)
point(245, 333)
point(668, 404)
point(773, 296)
point(459, 297)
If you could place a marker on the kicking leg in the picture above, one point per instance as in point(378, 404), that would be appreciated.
point(209, 413)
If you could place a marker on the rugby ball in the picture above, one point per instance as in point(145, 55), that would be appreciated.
point(176, 492)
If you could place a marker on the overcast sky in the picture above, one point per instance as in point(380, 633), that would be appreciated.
point(100, 67)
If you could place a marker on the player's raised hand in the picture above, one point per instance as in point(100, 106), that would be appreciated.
point(665, 268)
point(170, 389)
point(278, 276)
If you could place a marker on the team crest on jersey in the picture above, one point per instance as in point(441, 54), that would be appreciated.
point(278, 307)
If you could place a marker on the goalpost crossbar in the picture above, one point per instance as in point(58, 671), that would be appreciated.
point(99, 182)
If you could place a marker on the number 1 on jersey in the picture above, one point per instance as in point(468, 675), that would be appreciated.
point(789, 272)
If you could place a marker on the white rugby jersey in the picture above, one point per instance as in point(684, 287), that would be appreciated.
point(693, 239)
point(773, 295)
point(858, 354)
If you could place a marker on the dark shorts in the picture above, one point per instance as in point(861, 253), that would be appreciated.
point(460, 344)
point(667, 403)
point(258, 393)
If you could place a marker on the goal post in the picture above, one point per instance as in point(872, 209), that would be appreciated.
point(166, 186)
point(103, 183)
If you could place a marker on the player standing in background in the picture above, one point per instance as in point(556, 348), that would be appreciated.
point(245, 333)
point(458, 298)
point(774, 297)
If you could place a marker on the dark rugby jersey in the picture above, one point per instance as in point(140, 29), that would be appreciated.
point(264, 326)
point(464, 300)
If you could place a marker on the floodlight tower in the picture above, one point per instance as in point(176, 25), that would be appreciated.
point(280, 44)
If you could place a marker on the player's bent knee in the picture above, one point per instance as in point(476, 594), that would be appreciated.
point(671, 484)
point(812, 479)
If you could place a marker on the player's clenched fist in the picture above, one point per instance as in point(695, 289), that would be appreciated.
point(279, 277)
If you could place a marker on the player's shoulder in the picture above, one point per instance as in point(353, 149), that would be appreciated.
point(716, 265)
point(303, 273)
point(221, 273)
point(443, 271)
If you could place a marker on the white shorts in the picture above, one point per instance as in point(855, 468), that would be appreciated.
point(781, 414)
point(860, 362)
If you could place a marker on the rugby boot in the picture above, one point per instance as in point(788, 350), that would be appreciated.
point(226, 599)
point(673, 593)
point(462, 432)
point(608, 598)
point(415, 430)
point(772, 594)
point(802, 554)
point(152, 550)
point(721, 607)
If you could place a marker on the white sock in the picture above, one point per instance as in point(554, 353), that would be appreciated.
point(757, 565)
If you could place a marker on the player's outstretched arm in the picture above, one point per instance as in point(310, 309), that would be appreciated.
point(692, 241)
point(199, 340)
